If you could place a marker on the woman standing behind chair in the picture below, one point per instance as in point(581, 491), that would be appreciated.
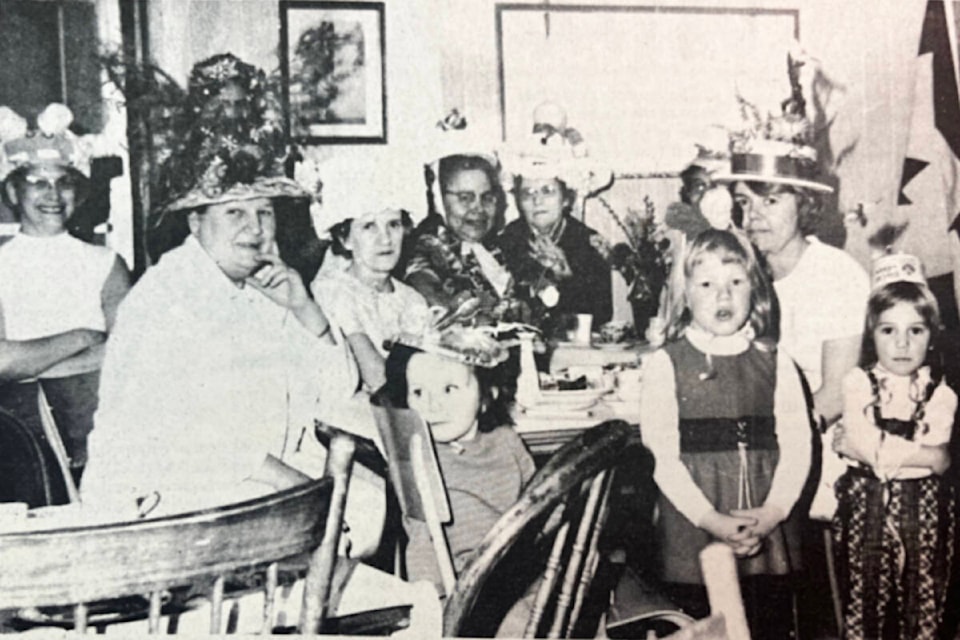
point(453, 258)
point(58, 295)
point(356, 287)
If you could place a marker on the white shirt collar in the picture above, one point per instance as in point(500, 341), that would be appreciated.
point(731, 345)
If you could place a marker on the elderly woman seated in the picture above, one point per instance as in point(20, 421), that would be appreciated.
point(453, 259)
point(355, 285)
point(557, 262)
point(58, 295)
point(220, 365)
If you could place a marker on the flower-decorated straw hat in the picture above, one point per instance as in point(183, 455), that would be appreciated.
point(776, 149)
point(234, 173)
point(50, 143)
point(473, 346)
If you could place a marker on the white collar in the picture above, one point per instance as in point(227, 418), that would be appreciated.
point(731, 345)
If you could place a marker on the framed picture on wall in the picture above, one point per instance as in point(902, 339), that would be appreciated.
point(333, 61)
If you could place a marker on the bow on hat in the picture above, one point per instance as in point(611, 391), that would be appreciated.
point(554, 150)
point(51, 142)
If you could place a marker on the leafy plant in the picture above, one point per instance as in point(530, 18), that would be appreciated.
point(644, 259)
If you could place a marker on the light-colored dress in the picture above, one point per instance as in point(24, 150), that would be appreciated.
point(358, 308)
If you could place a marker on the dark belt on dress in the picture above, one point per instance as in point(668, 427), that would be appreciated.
point(698, 435)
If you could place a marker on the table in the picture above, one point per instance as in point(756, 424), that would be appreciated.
point(545, 429)
point(568, 354)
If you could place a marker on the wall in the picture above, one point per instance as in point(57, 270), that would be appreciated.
point(442, 54)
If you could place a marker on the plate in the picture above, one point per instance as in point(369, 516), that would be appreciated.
point(570, 400)
point(613, 346)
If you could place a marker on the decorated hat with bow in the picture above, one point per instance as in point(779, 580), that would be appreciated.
point(50, 143)
point(554, 150)
point(779, 149)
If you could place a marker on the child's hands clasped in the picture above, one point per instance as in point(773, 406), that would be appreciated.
point(766, 517)
point(735, 531)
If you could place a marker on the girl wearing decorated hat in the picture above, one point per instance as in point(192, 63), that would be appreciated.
point(894, 527)
point(58, 295)
point(557, 261)
point(450, 380)
point(362, 296)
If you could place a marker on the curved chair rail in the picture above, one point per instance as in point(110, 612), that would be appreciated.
point(591, 454)
point(89, 563)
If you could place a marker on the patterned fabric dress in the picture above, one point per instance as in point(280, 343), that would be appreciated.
point(894, 536)
point(728, 443)
point(437, 252)
point(588, 290)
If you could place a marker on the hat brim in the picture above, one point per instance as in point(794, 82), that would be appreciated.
point(729, 177)
point(260, 188)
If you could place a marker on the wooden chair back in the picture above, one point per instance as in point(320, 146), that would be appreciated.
point(416, 477)
point(89, 564)
point(563, 511)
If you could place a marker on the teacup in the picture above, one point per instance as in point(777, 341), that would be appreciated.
point(613, 331)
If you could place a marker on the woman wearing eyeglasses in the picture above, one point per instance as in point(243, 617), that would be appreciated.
point(557, 261)
point(453, 261)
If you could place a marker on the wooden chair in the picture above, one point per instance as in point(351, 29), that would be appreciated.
point(416, 478)
point(84, 565)
point(562, 511)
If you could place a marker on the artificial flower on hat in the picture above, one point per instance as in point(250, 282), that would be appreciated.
point(446, 336)
point(51, 142)
point(555, 150)
point(776, 149)
point(232, 173)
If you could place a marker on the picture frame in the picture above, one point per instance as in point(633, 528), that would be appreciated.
point(333, 65)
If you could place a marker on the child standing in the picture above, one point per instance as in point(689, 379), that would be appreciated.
point(718, 406)
point(894, 526)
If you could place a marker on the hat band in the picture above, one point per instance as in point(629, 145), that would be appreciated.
point(773, 166)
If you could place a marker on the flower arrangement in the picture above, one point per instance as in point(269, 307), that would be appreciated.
point(644, 259)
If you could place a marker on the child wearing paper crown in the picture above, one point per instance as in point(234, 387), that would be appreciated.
point(723, 411)
point(894, 527)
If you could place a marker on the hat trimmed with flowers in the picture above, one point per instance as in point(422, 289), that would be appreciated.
point(50, 143)
point(554, 150)
point(776, 150)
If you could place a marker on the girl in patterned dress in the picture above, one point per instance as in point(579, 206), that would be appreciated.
point(718, 406)
point(894, 527)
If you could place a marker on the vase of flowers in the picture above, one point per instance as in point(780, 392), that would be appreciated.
point(643, 260)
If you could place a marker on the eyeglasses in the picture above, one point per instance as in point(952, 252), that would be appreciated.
point(469, 198)
point(546, 191)
point(63, 183)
